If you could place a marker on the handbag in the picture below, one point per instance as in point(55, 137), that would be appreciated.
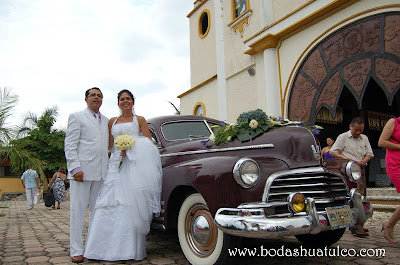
point(48, 198)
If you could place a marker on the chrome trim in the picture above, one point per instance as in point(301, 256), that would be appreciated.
point(307, 185)
point(303, 178)
point(272, 177)
point(260, 146)
point(349, 172)
point(307, 192)
point(250, 219)
point(357, 202)
point(313, 217)
point(237, 172)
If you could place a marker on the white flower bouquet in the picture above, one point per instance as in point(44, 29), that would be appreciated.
point(124, 142)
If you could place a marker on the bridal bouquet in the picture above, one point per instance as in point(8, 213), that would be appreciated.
point(124, 142)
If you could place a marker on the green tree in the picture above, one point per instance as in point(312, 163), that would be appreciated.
point(20, 158)
point(43, 140)
point(44, 123)
point(8, 102)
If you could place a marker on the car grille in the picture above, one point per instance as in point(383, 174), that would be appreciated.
point(326, 189)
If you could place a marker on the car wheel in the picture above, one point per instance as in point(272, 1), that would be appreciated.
point(322, 239)
point(201, 241)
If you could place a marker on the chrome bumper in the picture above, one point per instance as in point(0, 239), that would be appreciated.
point(252, 220)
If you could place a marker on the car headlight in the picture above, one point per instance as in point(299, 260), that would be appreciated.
point(296, 202)
point(353, 171)
point(246, 172)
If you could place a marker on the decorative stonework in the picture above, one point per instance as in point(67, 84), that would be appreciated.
point(356, 74)
point(303, 96)
point(388, 73)
point(360, 38)
point(392, 34)
point(240, 25)
point(315, 68)
point(347, 58)
point(330, 91)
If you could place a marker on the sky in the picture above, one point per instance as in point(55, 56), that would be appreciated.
point(52, 51)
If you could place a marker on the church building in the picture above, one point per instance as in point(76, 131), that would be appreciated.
point(319, 61)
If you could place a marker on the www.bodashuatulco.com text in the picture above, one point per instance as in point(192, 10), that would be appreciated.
point(305, 252)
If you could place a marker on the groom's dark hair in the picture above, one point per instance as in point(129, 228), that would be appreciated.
point(127, 92)
point(87, 91)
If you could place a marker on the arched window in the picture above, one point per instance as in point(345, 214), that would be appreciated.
point(199, 109)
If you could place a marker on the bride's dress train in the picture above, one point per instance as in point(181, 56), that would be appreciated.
point(127, 200)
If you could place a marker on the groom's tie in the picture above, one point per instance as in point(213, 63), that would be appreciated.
point(96, 115)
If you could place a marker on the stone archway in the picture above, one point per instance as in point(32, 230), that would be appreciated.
point(350, 57)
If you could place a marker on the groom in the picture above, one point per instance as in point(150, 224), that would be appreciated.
point(86, 151)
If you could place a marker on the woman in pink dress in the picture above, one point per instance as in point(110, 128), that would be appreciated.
point(390, 140)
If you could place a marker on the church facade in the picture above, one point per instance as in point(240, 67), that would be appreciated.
point(319, 61)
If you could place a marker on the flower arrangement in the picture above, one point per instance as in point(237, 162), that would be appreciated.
point(124, 142)
point(249, 125)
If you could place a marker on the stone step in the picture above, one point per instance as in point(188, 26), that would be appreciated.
point(384, 207)
point(383, 199)
point(381, 192)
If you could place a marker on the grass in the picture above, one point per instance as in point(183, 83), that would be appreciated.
point(2, 215)
point(3, 207)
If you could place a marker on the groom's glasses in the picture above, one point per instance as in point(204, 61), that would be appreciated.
point(92, 95)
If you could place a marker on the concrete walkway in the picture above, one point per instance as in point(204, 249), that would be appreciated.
point(41, 236)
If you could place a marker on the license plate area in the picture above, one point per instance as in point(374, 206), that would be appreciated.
point(339, 216)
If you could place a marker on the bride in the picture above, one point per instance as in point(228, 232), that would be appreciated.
point(131, 191)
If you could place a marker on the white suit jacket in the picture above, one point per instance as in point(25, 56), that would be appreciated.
point(86, 145)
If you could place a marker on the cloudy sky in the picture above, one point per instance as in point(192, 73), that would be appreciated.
point(51, 51)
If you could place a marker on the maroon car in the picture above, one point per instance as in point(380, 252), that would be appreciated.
point(274, 185)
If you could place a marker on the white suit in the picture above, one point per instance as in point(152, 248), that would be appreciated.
point(86, 147)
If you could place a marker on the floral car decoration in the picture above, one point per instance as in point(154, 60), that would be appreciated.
point(249, 125)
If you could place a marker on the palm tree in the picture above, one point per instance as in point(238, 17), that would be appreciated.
point(20, 159)
point(44, 123)
point(8, 101)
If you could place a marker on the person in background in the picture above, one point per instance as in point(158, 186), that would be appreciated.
point(326, 150)
point(30, 181)
point(86, 152)
point(390, 140)
point(354, 145)
point(57, 181)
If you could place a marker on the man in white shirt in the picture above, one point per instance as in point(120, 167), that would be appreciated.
point(30, 180)
point(86, 152)
point(355, 146)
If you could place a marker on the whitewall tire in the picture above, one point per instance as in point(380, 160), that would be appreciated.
point(201, 241)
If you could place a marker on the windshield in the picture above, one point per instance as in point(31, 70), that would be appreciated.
point(185, 130)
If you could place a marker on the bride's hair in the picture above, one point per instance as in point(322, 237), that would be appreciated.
point(126, 91)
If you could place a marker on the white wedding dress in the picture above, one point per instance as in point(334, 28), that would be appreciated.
point(129, 197)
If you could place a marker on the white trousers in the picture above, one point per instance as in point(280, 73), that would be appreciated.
point(31, 197)
point(82, 195)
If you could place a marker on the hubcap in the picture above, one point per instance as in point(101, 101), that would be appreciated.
point(201, 232)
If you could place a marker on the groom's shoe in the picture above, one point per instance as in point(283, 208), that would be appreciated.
point(77, 259)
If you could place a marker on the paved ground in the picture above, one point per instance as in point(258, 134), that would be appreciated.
point(41, 236)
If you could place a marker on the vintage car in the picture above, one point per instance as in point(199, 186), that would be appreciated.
point(274, 185)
